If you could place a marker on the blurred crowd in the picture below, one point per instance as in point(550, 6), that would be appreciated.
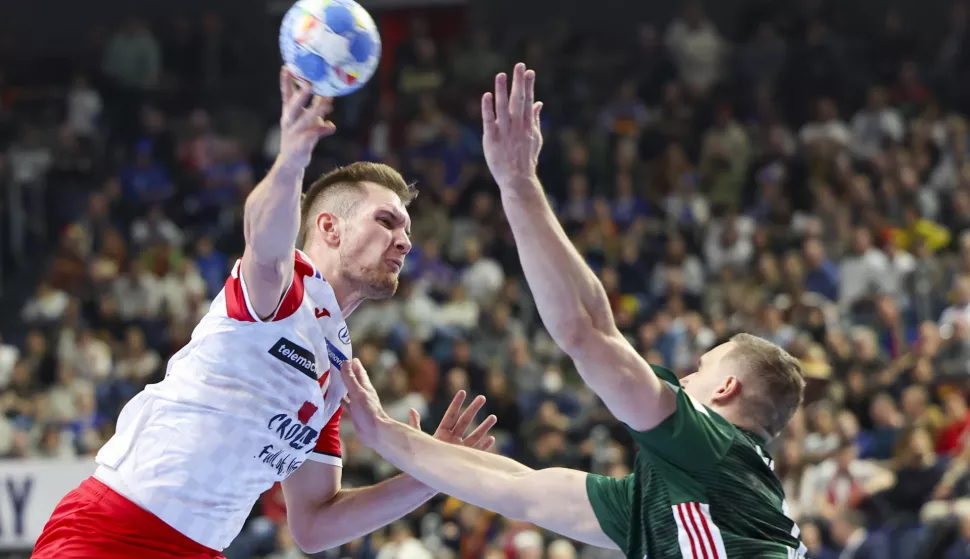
point(801, 181)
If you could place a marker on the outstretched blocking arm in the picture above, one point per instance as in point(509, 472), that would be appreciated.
point(323, 515)
point(553, 498)
point(271, 221)
point(569, 297)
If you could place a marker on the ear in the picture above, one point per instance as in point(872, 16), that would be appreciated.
point(727, 391)
point(329, 227)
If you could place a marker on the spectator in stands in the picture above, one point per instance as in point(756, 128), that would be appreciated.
point(842, 482)
point(696, 183)
point(856, 542)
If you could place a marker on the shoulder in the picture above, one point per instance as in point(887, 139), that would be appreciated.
point(237, 305)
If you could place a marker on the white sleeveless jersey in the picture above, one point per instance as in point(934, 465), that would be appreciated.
point(242, 406)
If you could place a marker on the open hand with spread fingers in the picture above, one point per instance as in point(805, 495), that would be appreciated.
point(301, 126)
point(369, 417)
point(512, 136)
point(455, 422)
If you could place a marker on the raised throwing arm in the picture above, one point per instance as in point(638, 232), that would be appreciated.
point(569, 297)
point(271, 221)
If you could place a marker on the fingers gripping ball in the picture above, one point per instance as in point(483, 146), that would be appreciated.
point(331, 44)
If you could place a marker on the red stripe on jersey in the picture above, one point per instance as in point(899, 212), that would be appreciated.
point(329, 441)
point(707, 529)
point(294, 295)
point(702, 544)
point(235, 297)
point(690, 533)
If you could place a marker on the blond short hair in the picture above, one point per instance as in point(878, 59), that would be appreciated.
point(330, 190)
point(776, 385)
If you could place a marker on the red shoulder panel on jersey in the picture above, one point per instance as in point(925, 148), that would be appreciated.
point(294, 295)
point(329, 441)
point(236, 297)
point(236, 307)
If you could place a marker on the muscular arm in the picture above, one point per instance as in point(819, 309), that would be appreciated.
point(271, 224)
point(569, 297)
point(271, 221)
point(554, 498)
point(576, 312)
point(322, 515)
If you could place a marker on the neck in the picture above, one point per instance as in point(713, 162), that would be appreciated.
point(347, 297)
point(740, 421)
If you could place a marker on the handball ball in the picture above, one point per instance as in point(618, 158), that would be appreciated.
point(333, 45)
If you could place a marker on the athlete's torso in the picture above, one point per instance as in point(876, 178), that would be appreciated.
point(241, 407)
point(733, 510)
point(702, 488)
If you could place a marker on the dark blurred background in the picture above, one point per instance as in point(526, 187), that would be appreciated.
point(795, 169)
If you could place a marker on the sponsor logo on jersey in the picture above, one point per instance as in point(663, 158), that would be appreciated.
point(336, 357)
point(344, 335)
point(295, 356)
point(321, 312)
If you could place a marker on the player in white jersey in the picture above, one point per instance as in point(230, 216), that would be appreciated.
point(254, 398)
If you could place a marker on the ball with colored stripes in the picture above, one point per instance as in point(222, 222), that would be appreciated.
point(333, 45)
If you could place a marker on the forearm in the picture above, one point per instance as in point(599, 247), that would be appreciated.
point(554, 498)
point(272, 214)
point(568, 295)
point(476, 477)
point(353, 513)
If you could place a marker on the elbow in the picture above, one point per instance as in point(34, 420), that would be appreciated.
point(304, 527)
point(302, 536)
point(583, 339)
point(504, 493)
point(576, 335)
point(518, 498)
point(308, 540)
point(571, 338)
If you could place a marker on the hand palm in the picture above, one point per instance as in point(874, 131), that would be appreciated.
point(512, 136)
point(301, 126)
point(367, 413)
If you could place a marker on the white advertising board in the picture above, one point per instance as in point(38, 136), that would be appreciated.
point(29, 491)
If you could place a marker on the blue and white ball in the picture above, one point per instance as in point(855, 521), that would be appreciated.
point(331, 44)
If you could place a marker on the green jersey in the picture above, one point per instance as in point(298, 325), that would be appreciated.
point(702, 488)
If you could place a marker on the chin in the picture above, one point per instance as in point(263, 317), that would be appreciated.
point(383, 288)
point(375, 282)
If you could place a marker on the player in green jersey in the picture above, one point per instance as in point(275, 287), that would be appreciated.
point(702, 486)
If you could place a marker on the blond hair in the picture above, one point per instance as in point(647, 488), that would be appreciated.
point(330, 191)
point(776, 385)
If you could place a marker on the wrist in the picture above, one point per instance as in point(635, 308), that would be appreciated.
point(286, 169)
point(523, 187)
point(388, 435)
point(391, 442)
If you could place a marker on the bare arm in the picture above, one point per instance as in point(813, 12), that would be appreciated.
point(271, 221)
point(322, 515)
point(569, 297)
point(553, 498)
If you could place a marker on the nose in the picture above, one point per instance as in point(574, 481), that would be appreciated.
point(403, 245)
